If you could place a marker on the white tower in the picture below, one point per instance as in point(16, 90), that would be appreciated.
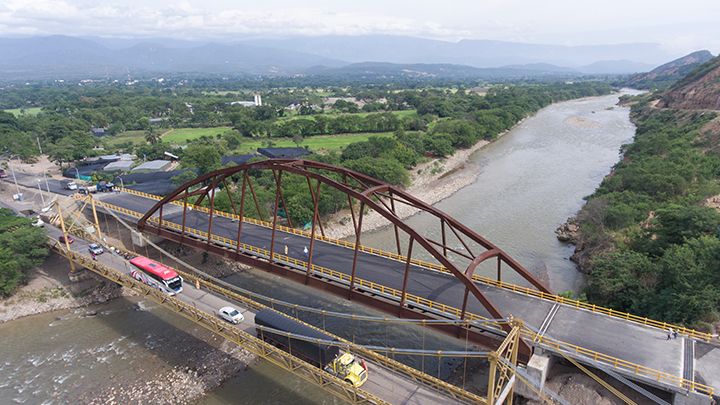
point(258, 100)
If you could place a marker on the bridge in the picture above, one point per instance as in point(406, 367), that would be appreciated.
point(392, 382)
point(442, 287)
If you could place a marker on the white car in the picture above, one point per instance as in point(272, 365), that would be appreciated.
point(36, 221)
point(96, 249)
point(231, 314)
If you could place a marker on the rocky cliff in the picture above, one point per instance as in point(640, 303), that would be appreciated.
point(698, 90)
point(665, 75)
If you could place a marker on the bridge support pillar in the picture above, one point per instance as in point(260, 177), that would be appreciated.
point(537, 368)
point(140, 242)
point(693, 398)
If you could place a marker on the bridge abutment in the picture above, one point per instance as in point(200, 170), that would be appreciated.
point(537, 368)
point(692, 398)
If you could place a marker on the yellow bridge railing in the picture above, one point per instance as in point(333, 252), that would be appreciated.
point(211, 322)
point(485, 280)
point(449, 310)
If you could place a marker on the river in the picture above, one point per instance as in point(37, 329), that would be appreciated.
point(532, 180)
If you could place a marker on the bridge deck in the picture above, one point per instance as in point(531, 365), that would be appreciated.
point(385, 383)
point(632, 342)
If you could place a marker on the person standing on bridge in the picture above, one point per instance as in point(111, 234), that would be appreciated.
point(286, 250)
point(305, 251)
point(670, 332)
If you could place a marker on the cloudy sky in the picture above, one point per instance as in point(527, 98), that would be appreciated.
point(679, 26)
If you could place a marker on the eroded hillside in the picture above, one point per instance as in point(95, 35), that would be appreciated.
point(699, 90)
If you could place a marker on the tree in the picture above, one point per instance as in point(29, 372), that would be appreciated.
point(184, 177)
point(297, 139)
point(233, 139)
point(675, 225)
point(22, 246)
point(144, 123)
point(116, 128)
point(387, 170)
point(152, 137)
point(75, 146)
point(205, 158)
point(97, 177)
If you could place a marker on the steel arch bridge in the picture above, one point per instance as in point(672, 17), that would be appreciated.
point(453, 246)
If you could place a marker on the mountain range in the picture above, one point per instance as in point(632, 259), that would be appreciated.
point(664, 75)
point(56, 57)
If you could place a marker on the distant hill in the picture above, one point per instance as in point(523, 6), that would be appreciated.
point(665, 75)
point(60, 56)
point(614, 67)
point(699, 89)
point(422, 70)
point(475, 53)
point(63, 57)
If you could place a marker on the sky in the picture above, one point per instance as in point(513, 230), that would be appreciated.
point(680, 27)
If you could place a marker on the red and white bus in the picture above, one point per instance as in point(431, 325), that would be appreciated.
point(156, 275)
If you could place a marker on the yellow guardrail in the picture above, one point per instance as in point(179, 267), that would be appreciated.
point(616, 363)
point(232, 333)
point(495, 283)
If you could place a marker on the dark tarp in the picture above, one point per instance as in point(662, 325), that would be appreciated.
point(284, 153)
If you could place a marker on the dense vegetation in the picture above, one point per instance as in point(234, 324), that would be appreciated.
point(22, 246)
point(67, 115)
point(651, 248)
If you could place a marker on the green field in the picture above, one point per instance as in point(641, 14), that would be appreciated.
point(177, 136)
point(318, 142)
point(332, 113)
point(136, 137)
point(180, 136)
point(28, 111)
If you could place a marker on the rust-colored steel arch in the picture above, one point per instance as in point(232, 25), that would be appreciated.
point(370, 193)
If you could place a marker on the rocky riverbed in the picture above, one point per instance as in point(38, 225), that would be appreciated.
point(197, 364)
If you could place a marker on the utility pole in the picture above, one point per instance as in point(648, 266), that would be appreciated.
point(44, 175)
point(14, 179)
point(41, 197)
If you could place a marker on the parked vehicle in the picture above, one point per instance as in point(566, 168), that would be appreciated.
point(3, 173)
point(95, 249)
point(323, 355)
point(230, 314)
point(104, 186)
point(68, 185)
point(61, 238)
point(87, 190)
point(36, 221)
